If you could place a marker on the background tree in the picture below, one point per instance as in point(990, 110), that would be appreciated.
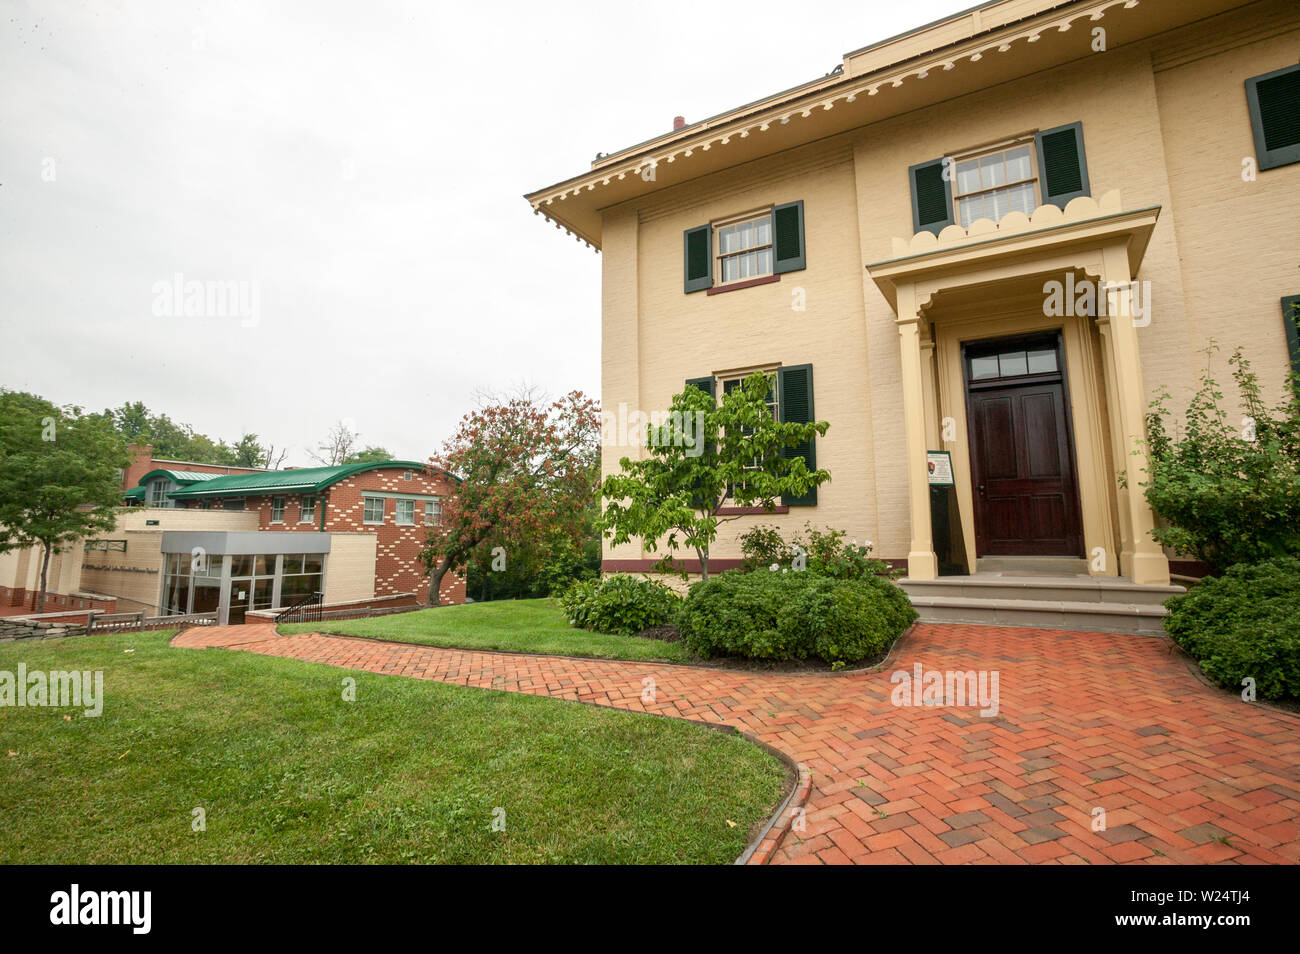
point(273, 458)
point(369, 455)
point(338, 444)
point(58, 476)
point(676, 493)
point(170, 440)
point(248, 452)
point(527, 472)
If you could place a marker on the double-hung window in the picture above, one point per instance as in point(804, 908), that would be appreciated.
point(308, 511)
point(432, 513)
point(277, 510)
point(405, 513)
point(374, 510)
point(744, 248)
point(991, 184)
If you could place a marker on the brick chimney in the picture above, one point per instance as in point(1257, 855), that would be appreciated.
point(141, 464)
point(678, 122)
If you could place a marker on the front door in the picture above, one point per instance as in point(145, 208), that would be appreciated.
point(1022, 452)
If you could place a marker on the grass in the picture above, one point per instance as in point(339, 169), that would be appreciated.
point(286, 771)
point(528, 626)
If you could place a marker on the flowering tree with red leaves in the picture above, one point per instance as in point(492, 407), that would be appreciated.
point(526, 470)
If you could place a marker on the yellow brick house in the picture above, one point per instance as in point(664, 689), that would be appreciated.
point(984, 242)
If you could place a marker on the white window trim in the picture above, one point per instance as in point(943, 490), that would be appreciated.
point(438, 511)
point(283, 502)
point(302, 508)
point(719, 255)
point(1005, 145)
point(383, 511)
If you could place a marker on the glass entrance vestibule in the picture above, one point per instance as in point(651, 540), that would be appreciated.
point(234, 572)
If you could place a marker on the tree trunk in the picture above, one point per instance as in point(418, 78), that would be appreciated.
point(435, 582)
point(45, 569)
point(704, 564)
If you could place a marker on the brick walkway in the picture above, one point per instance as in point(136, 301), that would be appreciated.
point(1184, 773)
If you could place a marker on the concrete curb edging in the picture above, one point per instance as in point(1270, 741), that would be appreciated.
point(768, 840)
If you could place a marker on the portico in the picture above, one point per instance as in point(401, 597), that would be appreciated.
point(1043, 445)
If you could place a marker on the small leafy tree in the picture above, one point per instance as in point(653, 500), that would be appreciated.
point(677, 493)
point(526, 471)
point(1229, 493)
point(58, 476)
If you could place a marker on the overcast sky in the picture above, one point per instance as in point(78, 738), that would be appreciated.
point(361, 165)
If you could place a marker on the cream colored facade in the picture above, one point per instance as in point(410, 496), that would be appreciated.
point(1168, 141)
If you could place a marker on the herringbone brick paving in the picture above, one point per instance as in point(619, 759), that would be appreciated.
point(1185, 773)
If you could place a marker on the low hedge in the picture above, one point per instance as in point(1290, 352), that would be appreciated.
point(793, 615)
point(1244, 624)
point(619, 604)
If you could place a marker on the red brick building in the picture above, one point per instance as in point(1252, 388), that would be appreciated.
point(395, 500)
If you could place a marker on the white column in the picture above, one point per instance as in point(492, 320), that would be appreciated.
point(1128, 419)
point(921, 562)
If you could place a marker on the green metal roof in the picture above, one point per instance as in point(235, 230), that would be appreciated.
point(183, 477)
point(302, 479)
point(135, 493)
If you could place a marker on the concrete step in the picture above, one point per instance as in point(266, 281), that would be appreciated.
point(1035, 565)
point(1137, 619)
point(1070, 589)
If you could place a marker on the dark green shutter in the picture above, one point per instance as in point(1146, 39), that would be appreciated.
point(1062, 166)
point(704, 384)
point(931, 197)
point(1291, 322)
point(1274, 101)
point(788, 254)
point(698, 258)
point(795, 388)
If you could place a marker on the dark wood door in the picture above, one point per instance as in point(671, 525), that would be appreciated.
point(1026, 498)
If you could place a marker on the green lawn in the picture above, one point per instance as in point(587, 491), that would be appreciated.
point(289, 772)
point(528, 626)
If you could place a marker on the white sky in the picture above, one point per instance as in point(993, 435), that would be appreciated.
point(364, 163)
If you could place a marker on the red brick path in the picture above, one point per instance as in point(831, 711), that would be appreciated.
point(1184, 772)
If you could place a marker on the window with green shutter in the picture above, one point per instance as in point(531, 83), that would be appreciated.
point(931, 196)
point(787, 238)
point(1062, 166)
point(698, 256)
point(794, 386)
point(1291, 322)
point(1274, 102)
point(704, 384)
point(745, 249)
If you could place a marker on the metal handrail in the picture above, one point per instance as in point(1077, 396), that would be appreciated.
point(306, 610)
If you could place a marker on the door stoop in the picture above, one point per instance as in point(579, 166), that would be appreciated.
point(1042, 593)
point(1033, 565)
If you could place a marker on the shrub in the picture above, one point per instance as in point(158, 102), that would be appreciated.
point(620, 604)
point(1227, 494)
point(823, 553)
point(1243, 624)
point(794, 615)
